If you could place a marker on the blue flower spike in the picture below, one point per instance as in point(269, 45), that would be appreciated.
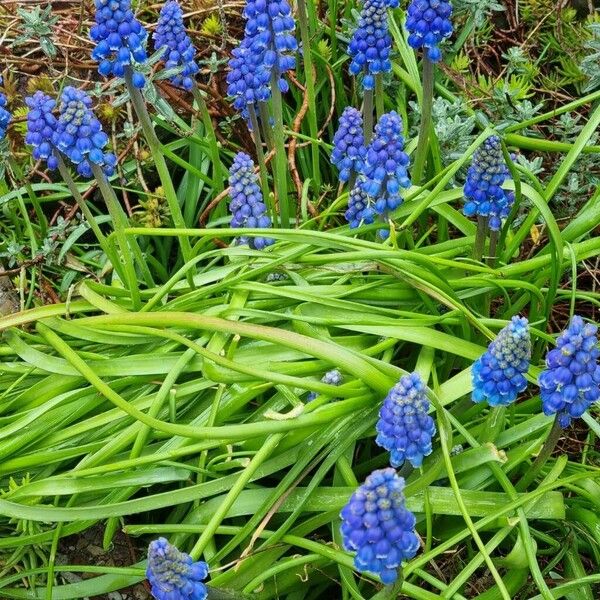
point(79, 134)
point(570, 384)
point(428, 24)
point(5, 116)
point(499, 374)
point(247, 206)
point(349, 149)
point(377, 526)
point(483, 191)
point(333, 377)
point(404, 428)
point(173, 575)
point(371, 43)
point(41, 127)
point(120, 40)
point(178, 50)
point(360, 209)
point(386, 165)
point(266, 52)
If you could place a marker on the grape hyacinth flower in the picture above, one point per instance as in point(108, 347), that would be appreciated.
point(404, 428)
point(484, 195)
point(371, 43)
point(428, 24)
point(378, 527)
point(360, 208)
point(79, 134)
point(41, 126)
point(173, 575)
point(385, 169)
point(266, 52)
point(120, 40)
point(333, 377)
point(178, 50)
point(247, 206)
point(499, 374)
point(349, 149)
point(570, 384)
point(5, 116)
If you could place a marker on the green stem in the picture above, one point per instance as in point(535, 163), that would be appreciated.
point(310, 91)
point(480, 236)
point(426, 106)
point(161, 166)
point(542, 457)
point(120, 224)
point(379, 105)
point(368, 115)
point(491, 261)
point(209, 131)
point(262, 165)
point(281, 171)
point(265, 122)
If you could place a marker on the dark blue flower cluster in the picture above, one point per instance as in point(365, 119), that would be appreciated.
point(571, 381)
point(499, 374)
point(360, 209)
point(404, 428)
point(385, 169)
point(178, 50)
point(371, 43)
point(378, 527)
point(173, 575)
point(484, 195)
point(120, 40)
point(247, 206)
point(349, 149)
point(79, 134)
point(333, 377)
point(428, 24)
point(5, 116)
point(266, 52)
point(41, 126)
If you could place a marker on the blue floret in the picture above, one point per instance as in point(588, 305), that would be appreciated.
point(483, 191)
point(178, 50)
point(247, 206)
point(371, 43)
point(79, 136)
point(41, 126)
point(571, 382)
point(378, 527)
point(428, 24)
point(173, 575)
point(404, 428)
point(349, 149)
point(5, 116)
point(120, 40)
point(385, 169)
point(499, 374)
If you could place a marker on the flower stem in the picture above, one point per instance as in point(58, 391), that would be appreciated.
point(265, 122)
point(480, 235)
point(87, 213)
point(209, 131)
point(542, 457)
point(281, 171)
point(161, 166)
point(424, 130)
point(491, 261)
point(120, 224)
point(379, 95)
point(262, 165)
point(310, 91)
point(368, 115)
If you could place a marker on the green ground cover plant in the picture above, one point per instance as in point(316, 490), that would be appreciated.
point(299, 300)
